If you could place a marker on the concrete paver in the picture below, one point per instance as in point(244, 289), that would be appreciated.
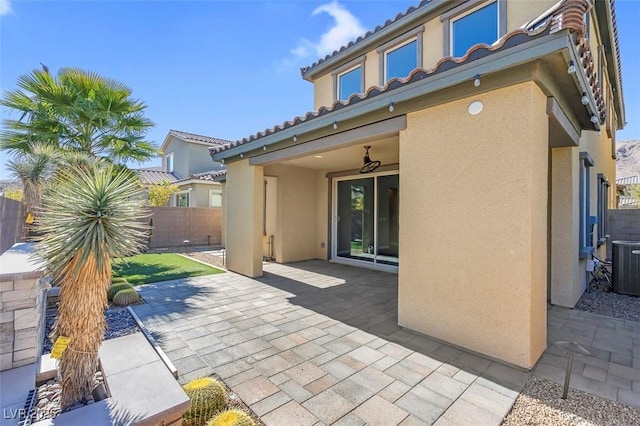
point(312, 335)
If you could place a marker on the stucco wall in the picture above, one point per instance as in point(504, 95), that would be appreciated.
point(189, 158)
point(173, 225)
point(11, 223)
point(244, 198)
point(297, 213)
point(473, 269)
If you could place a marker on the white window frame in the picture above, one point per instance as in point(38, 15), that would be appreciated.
point(465, 9)
point(349, 66)
point(389, 47)
point(166, 162)
point(215, 191)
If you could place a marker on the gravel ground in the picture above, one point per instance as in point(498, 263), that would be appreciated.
point(610, 304)
point(119, 323)
point(540, 403)
point(207, 258)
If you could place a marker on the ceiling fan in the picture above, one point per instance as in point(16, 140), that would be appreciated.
point(368, 165)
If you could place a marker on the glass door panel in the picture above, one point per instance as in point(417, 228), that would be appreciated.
point(387, 229)
point(356, 227)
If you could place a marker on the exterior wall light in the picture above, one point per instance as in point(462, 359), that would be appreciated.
point(335, 125)
point(391, 107)
point(572, 68)
point(222, 161)
point(241, 155)
point(295, 138)
point(476, 80)
point(264, 148)
point(585, 99)
point(595, 119)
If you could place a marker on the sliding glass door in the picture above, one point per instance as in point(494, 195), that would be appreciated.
point(366, 219)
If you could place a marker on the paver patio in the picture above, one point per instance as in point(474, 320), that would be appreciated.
point(318, 343)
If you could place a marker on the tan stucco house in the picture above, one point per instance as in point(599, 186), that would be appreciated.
point(494, 124)
point(186, 163)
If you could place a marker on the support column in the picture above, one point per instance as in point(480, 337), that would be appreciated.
point(244, 197)
point(567, 282)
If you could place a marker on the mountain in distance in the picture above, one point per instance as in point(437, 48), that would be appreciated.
point(628, 158)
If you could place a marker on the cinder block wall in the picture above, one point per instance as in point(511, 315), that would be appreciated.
point(624, 225)
point(173, 225)
point(11, 222)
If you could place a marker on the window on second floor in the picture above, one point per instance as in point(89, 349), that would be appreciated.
point(476, 26)
point(168, 161)
point(473, 22)
point(401, 56)
point(349, 82)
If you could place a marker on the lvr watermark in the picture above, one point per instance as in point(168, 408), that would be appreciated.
point(34, 413)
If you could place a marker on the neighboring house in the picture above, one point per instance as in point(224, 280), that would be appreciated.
point(186, 163)
point(496, 162)
point(625, 200)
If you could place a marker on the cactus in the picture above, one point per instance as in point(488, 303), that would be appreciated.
point(231, 418)
point(115, 288)
point(116, 280)
point(207, 396)
point(125, 297)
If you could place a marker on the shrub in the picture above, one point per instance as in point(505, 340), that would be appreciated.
point(207, 396)
point(115, 288)
point(125, 297)
point(231, 418)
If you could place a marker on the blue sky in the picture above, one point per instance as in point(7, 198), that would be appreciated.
point(219, 68)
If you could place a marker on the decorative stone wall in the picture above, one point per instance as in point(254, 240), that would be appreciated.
point(22, 307)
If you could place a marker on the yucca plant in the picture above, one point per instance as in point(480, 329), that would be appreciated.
point(89, 216)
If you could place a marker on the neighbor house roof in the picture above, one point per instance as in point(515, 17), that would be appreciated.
point(192, 137)
point(629, 180)
point(568, 16)
point(155, 177)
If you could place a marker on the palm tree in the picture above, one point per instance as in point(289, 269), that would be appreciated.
point(76, 111)
point(33, 169)
point(88, 217)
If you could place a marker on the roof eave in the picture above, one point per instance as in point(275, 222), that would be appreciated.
point(311, 72)
point(498, 61)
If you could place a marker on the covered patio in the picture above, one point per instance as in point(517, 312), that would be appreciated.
point(317, 342)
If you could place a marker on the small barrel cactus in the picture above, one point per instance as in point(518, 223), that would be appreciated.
point(115, 280)
point(208, 397)
point(115, 288)
point(126, 297)
point(231, 418)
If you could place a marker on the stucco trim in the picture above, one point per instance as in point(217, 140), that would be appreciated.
point(350, 137)
point(395, 167)
point(555, 112)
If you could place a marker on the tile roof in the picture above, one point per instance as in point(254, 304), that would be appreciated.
point(155, 177)
point(198, 138)
point(368, 34)
point(210, 175)
point(629, 180)
point(570, 15)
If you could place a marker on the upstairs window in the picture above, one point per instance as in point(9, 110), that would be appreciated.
point(168, 161)
point(400, 61)
point(479, 25)
point(473, 22)
point(348, 79)
point(401, 56)
point(349, 82)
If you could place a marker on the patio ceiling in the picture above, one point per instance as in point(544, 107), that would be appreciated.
point(349, 158)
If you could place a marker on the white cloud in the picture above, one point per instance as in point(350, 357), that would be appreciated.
point(345, 29)
point(5, 7)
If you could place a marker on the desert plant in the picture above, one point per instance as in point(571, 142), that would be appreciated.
point(231, 418)
point(88, 217)
point(207, 396)
point(116, 288)
point(116, 280)
point(126, 297)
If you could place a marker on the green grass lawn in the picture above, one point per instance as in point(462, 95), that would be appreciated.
point(151, 268)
